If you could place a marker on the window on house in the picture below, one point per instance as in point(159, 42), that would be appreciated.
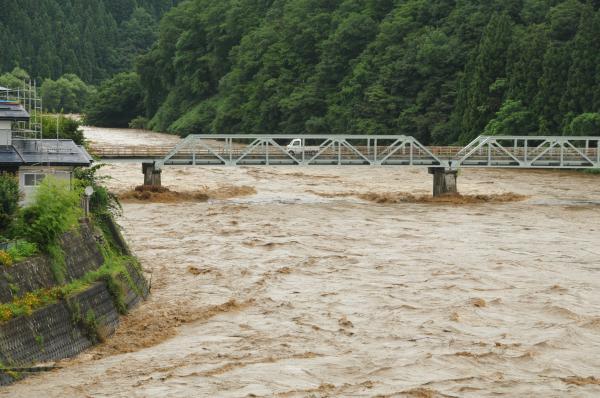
point(29, 180)
point(34, 179)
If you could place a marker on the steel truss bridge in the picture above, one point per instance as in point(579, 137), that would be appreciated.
point(537, 152)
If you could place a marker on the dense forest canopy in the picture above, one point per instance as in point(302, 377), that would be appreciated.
point(91, 39)
point(443, 71)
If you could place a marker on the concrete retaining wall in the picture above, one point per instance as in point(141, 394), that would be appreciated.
point(27, 276)
point(82, 255)
point(59, 330)
point(70, 326)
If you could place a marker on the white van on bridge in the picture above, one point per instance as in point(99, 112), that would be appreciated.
point(295, 147)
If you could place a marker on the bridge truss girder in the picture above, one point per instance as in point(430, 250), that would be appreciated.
point(253, 150)
point(385, 150)
point(535, 152)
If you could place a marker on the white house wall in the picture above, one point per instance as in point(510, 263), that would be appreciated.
point(28, 192)
point(5, 132)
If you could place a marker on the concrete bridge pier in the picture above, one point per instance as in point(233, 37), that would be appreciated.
point(444, 181)
point(152, 175)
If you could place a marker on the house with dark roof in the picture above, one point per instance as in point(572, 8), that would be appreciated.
point(31, 160)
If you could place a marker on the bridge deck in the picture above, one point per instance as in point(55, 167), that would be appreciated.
point(485, 151)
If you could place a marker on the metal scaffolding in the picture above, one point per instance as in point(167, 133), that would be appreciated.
point(28, 97)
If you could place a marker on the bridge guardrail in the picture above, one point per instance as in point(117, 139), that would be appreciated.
point(485, 151)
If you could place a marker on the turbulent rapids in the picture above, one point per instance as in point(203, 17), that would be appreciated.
point(349, 282)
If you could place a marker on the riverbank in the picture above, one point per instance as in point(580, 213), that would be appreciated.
point(43, 320)
point(289, 293)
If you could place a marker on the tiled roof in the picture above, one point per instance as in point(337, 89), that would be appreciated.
point(12, 111)
point(10, 156)
point(44, 152)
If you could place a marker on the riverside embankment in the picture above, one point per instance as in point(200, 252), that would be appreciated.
point(309, 287)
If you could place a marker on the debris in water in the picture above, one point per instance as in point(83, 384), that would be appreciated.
point(421, 393)
point(151, 325)
point(154, 194)
point(198, 271)
point(456, 199)
point(581, 381)
point(403, 197)
point(478, 302)
point(345, 323)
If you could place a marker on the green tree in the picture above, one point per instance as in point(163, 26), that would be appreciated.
point(578, 97)
point(525, 63)
point(439, 70)
point(55, 211)
point(67, 94)
point(60, 126)
point(563, 19)
point(102, 202)
point(16, 79)
point(552, 85)
point(484, 94)
point(534, 11)
point(586, 124)
point(512, 119)
point(92, 39)
point(117, 102)
point(9, 200)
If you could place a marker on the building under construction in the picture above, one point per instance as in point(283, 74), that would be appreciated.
point(24, 151)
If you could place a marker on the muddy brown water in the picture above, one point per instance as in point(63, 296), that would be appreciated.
point(303, 289)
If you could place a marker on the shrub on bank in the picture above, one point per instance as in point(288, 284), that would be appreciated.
point(5, 259)
point(55, 211)
point(17, 252)
point(102, 201)
point(139, 122)
point(9, 201)
point(22, 250)
point(62, 127)
point(118, 101)
point(112, 272)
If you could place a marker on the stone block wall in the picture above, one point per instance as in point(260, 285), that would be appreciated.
point(58, 331)
point(82, 252)
point(63, 329)
point(82, 255)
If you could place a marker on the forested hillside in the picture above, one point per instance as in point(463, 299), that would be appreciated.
point(443, 71)
point(91, 39)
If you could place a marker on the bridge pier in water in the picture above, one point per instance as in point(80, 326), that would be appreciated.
point(444, 181)
point(152, 175)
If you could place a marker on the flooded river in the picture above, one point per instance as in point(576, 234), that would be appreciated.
point(303, 289)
